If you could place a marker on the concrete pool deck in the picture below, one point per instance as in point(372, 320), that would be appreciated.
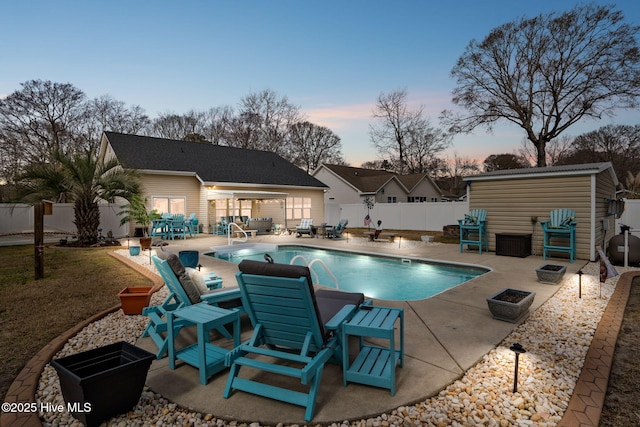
point(444, 336)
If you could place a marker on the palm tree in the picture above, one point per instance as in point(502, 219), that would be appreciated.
point(80, 179)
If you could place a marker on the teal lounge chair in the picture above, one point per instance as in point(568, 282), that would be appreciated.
point(182, 294)
point(291, 337)
point(561, 228)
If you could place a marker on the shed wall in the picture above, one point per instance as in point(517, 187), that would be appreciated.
point(513, 203)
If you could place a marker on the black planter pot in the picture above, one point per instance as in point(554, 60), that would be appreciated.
point(101, 383)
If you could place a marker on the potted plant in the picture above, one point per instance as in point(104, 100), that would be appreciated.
point(550, 273)
point(510, 305)
point(136, 211)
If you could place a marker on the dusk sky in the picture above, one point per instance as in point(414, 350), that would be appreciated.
point(330, 58)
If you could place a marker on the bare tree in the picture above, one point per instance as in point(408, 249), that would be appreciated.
point(618, 144)
point(216, 126)
point(547, 73)
point(312, 145)
point(452, 172)
point(405, 137)
point(424, 146)
point(554, 150)
point(263, 122)
point(105, 113)
point(41, 118)
point(179, 126)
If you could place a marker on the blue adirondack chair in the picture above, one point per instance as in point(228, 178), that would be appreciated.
point(289, 330)
point(177, 227)
point(336, 232)
point(473, 230)
point(561, 228)
point(156, 329)
point(191, 224)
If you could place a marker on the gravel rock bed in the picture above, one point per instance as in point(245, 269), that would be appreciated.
point(556, 336)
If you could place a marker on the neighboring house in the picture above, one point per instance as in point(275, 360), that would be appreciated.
point(183, 177)
point(351, 185)
point(517, 200)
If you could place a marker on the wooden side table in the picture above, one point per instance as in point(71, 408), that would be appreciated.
point(207, 357)
point(374, 365)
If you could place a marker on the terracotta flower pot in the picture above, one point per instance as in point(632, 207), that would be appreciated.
point(134, 299)
point(145, 243)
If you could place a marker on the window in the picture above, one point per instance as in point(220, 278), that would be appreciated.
point(392, 199)
point(172, 205)
point(230, 207)
point(416, 199)
point(298, 207)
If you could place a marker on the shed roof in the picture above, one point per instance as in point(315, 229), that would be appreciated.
point(544, 172)
point(210, 163)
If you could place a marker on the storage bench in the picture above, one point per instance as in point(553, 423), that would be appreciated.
point(513, 244)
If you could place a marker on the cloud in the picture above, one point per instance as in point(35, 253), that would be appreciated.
point(341, 116)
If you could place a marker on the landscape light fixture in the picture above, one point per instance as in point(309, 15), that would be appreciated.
point(580, 273)
point(518, 350)
point(199, 267)
point(127, 241)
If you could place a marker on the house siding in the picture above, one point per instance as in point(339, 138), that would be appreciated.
point(424, 189)
point(391, 189)
point(338, 191)
point(176, 186)
point(512, 202)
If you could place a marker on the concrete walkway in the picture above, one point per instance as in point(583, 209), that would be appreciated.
point(445, 335)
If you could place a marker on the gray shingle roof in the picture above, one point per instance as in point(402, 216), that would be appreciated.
point(212, 163)
point(585, 168)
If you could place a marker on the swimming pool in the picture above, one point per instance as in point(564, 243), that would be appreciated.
point(382, 277)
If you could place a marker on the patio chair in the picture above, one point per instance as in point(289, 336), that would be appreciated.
point(177, 227)
point(336, 231)
point(473, 230)
point(183, 292)
point(560, 228)
point(305, 227)
point(191, 224)
point(292, 336)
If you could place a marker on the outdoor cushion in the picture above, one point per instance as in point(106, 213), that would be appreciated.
point(178, 269)
point(331, 302)
point(470, 220)
point(198, 279)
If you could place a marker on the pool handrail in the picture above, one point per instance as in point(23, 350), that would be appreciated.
point(310, 265)
point(229, 227)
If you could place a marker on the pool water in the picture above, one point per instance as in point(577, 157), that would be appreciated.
point(381, 277)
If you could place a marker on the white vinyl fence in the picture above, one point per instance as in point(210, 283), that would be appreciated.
point(402, 216)
point(630, 216)
point(18, 218)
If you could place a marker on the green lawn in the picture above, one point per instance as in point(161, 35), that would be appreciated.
point(77, 284)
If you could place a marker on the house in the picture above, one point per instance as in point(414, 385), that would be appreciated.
point(517, 200)
point(212, 181)
point(351, 185)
